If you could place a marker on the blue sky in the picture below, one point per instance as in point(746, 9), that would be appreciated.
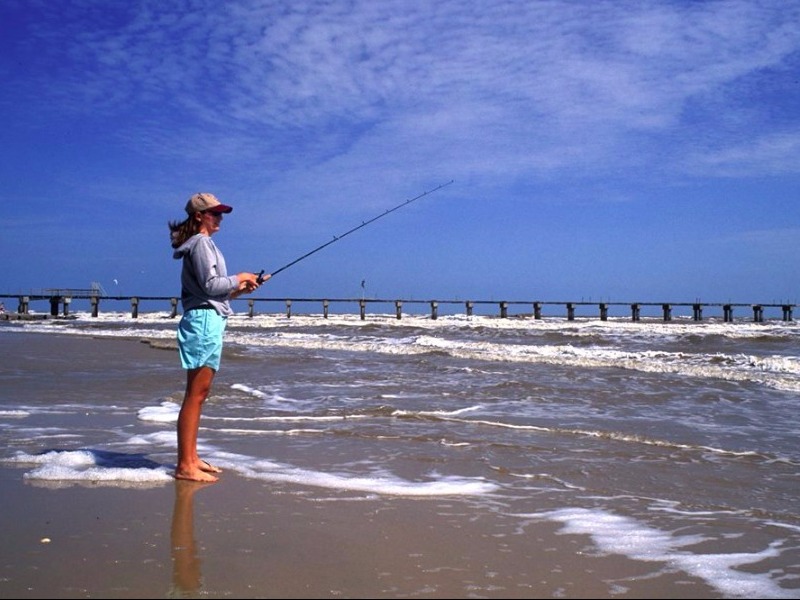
point(620, 151)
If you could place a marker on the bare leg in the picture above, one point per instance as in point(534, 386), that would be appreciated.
point(198, 385)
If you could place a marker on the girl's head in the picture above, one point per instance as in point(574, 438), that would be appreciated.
point(205, 214)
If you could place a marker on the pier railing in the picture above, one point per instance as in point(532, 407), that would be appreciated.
point(61, 299)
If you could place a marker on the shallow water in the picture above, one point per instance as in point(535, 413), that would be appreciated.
point(671, 445)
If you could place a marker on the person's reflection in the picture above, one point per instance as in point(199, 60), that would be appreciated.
point(186, 574)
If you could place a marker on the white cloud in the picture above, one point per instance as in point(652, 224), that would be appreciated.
point(497, 87)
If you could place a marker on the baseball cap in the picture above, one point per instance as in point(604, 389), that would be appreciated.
point(204, 201)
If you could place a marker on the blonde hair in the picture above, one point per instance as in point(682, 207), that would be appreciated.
point(180, 231)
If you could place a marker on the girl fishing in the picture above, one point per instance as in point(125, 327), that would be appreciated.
point(206, 289)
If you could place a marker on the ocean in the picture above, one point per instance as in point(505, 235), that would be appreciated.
point(669, 446)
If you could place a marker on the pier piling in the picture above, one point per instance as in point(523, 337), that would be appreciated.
point(603, 311)
point(537, 310)
point(666, 310)
point(727, 313)
point(635, 312)
point(758, 313)
point(697, 312)
point(54, 302)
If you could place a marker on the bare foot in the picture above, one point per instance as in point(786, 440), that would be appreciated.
point(195, 475)
point(208, 467)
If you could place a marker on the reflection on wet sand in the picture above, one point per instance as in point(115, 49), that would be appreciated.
point(186, 575)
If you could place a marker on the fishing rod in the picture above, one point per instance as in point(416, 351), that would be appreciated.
point(336, 238)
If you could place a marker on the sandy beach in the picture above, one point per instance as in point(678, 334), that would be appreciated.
point(241, 539)
point(296, 513)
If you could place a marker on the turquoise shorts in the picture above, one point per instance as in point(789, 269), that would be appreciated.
point(200, 338)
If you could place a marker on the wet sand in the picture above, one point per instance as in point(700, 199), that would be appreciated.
point(246, 538)
point(241, 539)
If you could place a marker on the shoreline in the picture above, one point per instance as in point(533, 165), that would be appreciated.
point(240, 538)
point(283, 535)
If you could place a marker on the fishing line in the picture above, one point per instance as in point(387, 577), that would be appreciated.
point(336, 238)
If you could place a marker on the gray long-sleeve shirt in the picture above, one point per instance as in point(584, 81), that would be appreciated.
point(204, 278)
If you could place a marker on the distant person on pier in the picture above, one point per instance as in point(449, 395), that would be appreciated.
point(206, 289)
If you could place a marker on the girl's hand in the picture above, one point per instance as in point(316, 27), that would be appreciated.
point(248, 282)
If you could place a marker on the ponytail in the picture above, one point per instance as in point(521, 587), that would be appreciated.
point(180, 231)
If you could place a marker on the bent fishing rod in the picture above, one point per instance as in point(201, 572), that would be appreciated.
point(336, 238)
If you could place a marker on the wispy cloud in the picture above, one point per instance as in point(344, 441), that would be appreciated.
point(504, 85)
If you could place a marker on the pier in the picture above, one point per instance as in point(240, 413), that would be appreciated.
point(60, 302)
